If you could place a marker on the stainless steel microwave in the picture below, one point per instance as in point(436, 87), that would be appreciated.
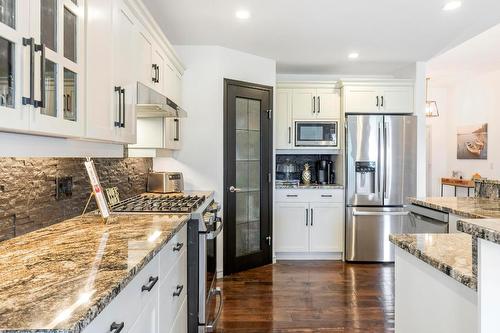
point(316, 133)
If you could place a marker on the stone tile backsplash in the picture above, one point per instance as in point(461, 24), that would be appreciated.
point(28, 189)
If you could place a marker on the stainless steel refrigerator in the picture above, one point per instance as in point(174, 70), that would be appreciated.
point(381, 155)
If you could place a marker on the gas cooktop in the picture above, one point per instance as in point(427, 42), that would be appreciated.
point(159, 203)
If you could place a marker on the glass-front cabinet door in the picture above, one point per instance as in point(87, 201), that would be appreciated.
point(58, 28)
point(14, 27)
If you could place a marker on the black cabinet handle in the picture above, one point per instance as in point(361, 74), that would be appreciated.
point(314, 104)
point(119, 122)
point(122, 92)
point(307, 217)
point(31, 42)
point(177, 129)
point(153, 77)
point(289, 134)
point(41, 103)
point(326, 195)
point(319, 104)
point(116, 328)
point(157, 73)
point(178, 291)
point(151, 283)
point(65, 104)
point(377, 101)
point(382, 104)
point(312, 217)
point(178, 247)
point(68, 103)
point(292, 196)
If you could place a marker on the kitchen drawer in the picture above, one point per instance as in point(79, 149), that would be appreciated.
point(170, 305)
point(172, 252)
point(127, 305)
point(310, 195)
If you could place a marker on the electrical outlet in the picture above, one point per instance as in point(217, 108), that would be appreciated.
point(64, 187)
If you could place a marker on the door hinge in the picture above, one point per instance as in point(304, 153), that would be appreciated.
point(268, 238)
point(269, 114)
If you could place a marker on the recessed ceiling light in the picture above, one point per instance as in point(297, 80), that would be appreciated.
point(452, 5)
point(353, 55)
point(243, 14)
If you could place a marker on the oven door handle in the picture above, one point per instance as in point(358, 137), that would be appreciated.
point(211, 326)
point(213, 235)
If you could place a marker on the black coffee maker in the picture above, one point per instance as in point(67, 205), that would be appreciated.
point(324, 172)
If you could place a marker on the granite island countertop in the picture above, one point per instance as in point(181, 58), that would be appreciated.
point(45, 274)
point(448, 253)
point(474, 208)
point(311, 187)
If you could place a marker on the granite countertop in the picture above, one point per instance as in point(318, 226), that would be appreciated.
point(311, 187)
point(448, 253)
point(488, 229)
point(59, 278)
point(465, 207)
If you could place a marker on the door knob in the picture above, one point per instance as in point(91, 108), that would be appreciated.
point(233, 189)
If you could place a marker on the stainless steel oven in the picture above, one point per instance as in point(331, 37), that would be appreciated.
point(311, 133)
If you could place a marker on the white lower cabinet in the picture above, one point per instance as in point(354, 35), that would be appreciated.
point(312, 228)
point(155, 301)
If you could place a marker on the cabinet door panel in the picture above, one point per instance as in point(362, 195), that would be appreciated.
point(397, 100)
point(284, 128)
point(145, 60)
point(180, 322)
point(303, 106)
point(361, 100)
point(328, 104)
point(326, 227)
point(148, 319)
point(14, 70)
point(291, 231)
point(159, 71)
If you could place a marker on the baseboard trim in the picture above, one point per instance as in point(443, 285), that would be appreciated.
point(309, 256)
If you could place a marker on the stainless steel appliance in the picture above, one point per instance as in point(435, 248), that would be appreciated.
point(324, 172)
point(165, 182)
point(427, 221)
point(204, 227)
point(151, 104)
point(311, 133)
point(381, 154)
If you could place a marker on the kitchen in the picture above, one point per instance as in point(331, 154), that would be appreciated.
point(163, 173)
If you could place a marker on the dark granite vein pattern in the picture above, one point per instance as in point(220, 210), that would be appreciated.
point(59, 278)
point(466, 207)
point(448, 253)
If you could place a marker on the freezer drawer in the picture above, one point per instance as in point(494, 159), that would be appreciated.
point(368, 230)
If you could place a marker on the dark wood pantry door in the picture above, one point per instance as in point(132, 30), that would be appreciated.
point(247, 175)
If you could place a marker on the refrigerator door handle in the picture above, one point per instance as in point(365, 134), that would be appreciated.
point(380, 158)
point(361, 213)
point(386, 125)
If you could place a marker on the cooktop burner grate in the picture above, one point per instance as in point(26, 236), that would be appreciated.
point(152, 203)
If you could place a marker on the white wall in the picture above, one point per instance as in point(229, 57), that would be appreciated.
point(201, 157)
point(465, 101)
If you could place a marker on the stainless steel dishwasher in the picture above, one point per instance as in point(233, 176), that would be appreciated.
point(426, 221)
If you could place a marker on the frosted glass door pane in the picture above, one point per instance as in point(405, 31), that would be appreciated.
point(7, 49)
point(70, 37)
point(50, 89)
point(48, 22)
point(70, 97)
point(8, 12)
point(248, 170)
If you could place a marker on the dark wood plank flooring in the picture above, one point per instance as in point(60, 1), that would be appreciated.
point(320, 296)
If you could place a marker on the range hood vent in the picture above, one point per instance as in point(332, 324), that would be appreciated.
point(151, 104)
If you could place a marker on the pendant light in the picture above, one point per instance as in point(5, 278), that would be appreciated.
point(431, 107)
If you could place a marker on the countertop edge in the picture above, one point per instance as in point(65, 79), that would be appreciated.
point(479, 231)
point(468, 281)
point(424, 203)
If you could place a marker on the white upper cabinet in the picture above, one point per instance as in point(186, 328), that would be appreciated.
point(389, 96)
point(328, 103)
point(311, 104)
point(303, 103)
point(283, 116)
point(42, 78)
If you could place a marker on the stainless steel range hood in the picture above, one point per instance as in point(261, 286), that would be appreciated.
point(151, 104)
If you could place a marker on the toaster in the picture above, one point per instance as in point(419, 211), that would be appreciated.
point(165, 182)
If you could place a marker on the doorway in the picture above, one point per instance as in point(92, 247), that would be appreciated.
point(248, 143)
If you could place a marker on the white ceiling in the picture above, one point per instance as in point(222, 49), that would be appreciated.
point(315, 36)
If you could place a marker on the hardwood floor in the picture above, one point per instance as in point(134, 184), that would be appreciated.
point(323, 296)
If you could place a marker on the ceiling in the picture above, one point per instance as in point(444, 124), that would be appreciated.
point(315, 36)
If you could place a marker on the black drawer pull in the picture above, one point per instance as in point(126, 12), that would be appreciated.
point(292, 196)
point(116, 328)
point(326, 195)
point(151, 283)
point(178, 247)
point(178, 291)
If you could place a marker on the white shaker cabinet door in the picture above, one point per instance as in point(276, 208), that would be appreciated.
point(283, 116)
point(326, 231)
point(148, 319)
point(396, 100)
point(304, 104)
point(291, 227)
point(361, 99)
point(328, 104)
